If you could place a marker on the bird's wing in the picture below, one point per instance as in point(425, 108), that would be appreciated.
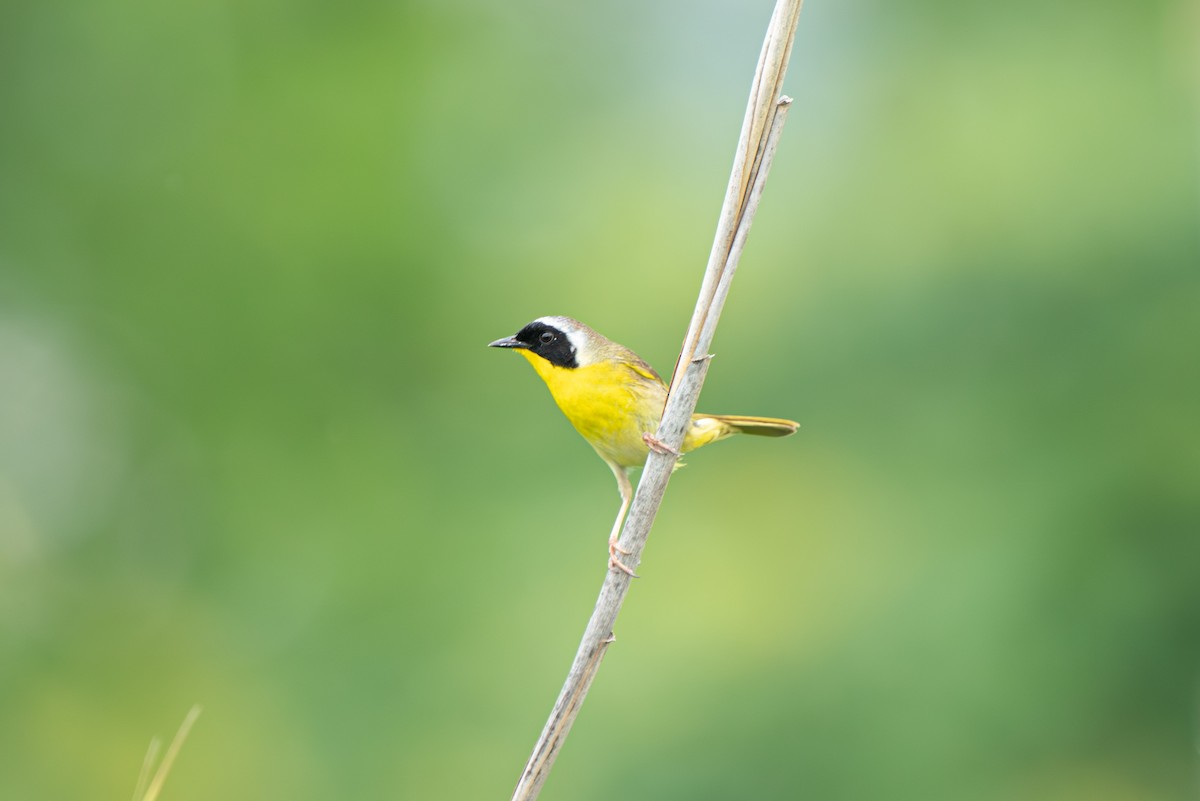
point(645, 370)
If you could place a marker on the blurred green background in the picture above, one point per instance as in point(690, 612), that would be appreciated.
point(254, 453)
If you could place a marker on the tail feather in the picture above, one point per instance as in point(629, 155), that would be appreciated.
point(758, 426)
point(708, 428)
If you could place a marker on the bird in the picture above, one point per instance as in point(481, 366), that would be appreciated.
point(615, 400)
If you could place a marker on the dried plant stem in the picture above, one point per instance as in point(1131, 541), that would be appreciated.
point(765, 114)
point(150, 793)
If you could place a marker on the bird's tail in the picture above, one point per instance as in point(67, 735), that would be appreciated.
point(708, 428)
point(758, 426)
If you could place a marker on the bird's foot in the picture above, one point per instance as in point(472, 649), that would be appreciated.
point(616, 564)
point(614, 561)
point(658, 446)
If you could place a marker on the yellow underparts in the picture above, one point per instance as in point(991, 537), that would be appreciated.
point(613, 403)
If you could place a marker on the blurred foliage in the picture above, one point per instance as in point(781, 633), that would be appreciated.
point(254, 453)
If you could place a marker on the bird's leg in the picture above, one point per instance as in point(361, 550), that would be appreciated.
point(626, 488)
point(613, 547)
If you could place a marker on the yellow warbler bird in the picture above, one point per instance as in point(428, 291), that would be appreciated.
point(615, 400)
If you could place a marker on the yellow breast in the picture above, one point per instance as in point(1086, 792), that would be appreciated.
point(611, 403)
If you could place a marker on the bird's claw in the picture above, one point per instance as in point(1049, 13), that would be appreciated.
point(615, 562)
point(658, 446)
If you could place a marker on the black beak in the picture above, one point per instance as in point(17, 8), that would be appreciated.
point(508, 342)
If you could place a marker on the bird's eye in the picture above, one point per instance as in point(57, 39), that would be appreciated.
point(546, 337)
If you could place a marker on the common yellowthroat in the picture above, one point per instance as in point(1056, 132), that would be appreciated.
point(615, 400)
